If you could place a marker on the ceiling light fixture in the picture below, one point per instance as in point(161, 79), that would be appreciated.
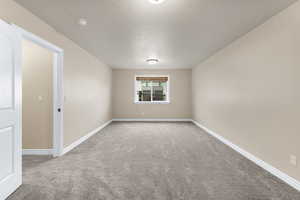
point(82, 22)
point(156, 1)
point(152, 61)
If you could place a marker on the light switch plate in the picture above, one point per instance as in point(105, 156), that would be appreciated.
point(40, 98)
point(293, 160)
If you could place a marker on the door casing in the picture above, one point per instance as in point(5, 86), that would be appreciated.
point(58, 93)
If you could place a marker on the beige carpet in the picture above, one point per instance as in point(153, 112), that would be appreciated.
point(149, 161)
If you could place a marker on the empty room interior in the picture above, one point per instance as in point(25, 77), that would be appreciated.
point(149, 100)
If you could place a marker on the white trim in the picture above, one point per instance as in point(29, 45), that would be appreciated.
point(151, 120)
point(36, 39)
point(58, 93)
point(135, 100)
point(84, 138)
point(276, 172)
point(37, 151)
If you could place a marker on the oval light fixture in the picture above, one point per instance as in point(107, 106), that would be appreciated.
point(152, 61)
point(82, 22)
point(156, 1)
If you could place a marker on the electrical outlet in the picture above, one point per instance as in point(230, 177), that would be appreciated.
point(293, 160)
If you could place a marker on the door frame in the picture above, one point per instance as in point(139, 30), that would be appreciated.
point(58, 92)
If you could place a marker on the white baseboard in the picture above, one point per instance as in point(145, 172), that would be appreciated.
point(84, 138)
point(151, 120)
point(279, 174)
point(37, 151)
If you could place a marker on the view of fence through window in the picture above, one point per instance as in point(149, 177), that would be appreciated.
point(152, 89)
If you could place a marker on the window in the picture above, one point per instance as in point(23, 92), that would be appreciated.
point(152, 89)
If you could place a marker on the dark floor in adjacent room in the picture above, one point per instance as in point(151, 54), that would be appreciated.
point(149, 161)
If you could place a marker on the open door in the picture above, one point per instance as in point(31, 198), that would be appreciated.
point(10, 110)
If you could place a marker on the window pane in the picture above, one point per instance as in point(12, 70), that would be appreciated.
point(159, 91)
point(144, 90)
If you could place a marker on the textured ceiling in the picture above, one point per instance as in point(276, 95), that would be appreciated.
point(180, 33)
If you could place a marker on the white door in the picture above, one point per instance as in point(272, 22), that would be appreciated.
point(10, 110)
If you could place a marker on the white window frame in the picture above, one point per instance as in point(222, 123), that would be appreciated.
point(136, 101)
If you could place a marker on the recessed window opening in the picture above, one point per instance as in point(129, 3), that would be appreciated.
point(152, 89)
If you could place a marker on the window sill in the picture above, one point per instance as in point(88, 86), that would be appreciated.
point(153, 102)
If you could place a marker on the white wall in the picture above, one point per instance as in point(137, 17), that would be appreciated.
point(249, 91)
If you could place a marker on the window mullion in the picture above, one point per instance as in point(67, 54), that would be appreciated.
point(151, 86)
